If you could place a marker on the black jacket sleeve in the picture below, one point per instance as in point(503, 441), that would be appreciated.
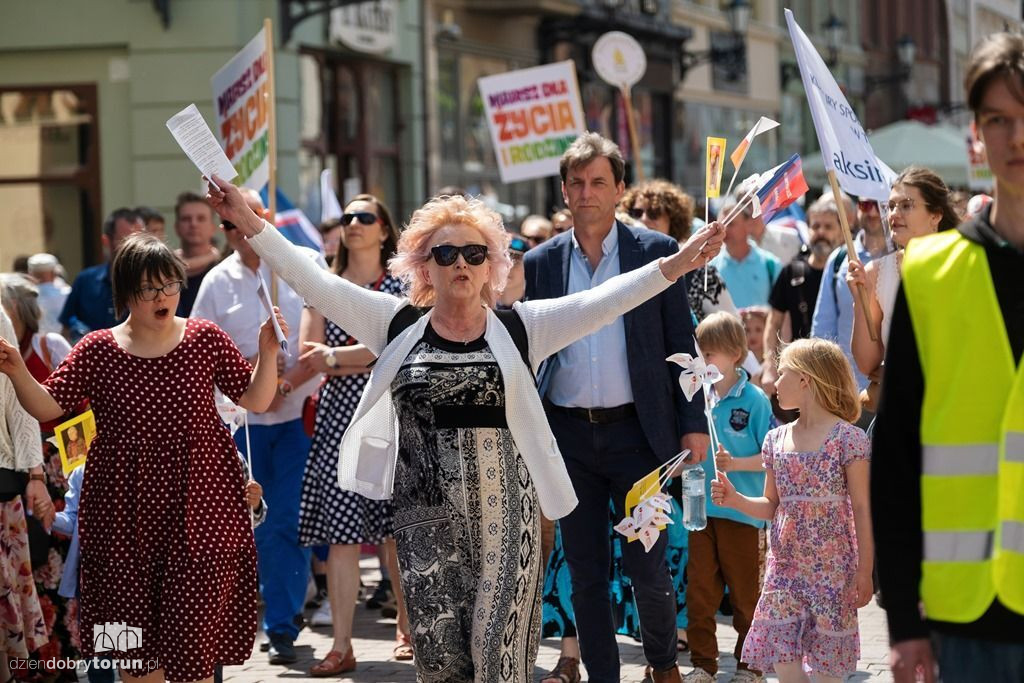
point(896, 479)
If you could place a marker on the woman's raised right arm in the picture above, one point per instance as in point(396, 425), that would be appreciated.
point(362, 313)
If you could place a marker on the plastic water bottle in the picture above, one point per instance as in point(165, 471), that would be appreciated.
point(695, 516)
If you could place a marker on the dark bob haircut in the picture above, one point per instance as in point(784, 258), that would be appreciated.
point(140, 258)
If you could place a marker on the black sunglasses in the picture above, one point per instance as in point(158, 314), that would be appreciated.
point(653, 214)
point(364, 217)
point(446, 254)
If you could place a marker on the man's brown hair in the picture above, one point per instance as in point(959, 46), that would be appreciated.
point(188, 197)
point(999, 55)
point(589, 146)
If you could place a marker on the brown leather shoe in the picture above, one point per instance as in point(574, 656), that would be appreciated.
point(667, 676)
point(334, 664)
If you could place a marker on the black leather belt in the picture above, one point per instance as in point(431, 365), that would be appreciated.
point(596, 415)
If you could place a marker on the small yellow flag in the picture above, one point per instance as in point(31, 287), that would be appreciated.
point(715, 165)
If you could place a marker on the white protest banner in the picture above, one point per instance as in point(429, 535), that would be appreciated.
point(240, 94)
point(844, 144)
point(195, 139)
point(534, 115)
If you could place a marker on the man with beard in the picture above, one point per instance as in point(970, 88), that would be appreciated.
point(796, 290)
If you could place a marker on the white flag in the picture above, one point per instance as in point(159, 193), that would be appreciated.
point(330, 209)
point(844, 144)
point(763, 125)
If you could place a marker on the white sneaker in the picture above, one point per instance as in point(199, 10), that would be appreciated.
point(322, 616)
point(698, 675)
point(746, 676)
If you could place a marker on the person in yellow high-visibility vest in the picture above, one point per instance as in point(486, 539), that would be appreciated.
point(948, 471)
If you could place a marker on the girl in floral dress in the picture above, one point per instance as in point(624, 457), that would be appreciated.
point(816, 494)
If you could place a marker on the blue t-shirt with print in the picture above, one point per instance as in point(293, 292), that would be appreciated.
point(743, 417)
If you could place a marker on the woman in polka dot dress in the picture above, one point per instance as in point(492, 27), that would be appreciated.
point(329, 515)
point(166, 542)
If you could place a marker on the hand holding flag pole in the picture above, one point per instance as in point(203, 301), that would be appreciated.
point(851, 251)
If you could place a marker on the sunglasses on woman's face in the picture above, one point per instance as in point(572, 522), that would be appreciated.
point(638, 213)
point(364, 217)
point(446, 254)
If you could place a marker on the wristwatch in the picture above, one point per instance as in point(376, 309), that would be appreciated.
point(37, 476)
point(284, 387)
point(331, 360)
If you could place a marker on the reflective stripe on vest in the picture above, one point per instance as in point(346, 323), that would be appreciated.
point(957, 546)
point(1015, 447)
point(972, 432)
point(954, 460)
point(1012, 537)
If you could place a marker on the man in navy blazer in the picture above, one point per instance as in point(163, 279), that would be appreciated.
point(614, 404)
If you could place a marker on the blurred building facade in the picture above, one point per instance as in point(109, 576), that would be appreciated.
point(86, 88)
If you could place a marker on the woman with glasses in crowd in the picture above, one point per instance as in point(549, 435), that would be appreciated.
point(665, 208)
point(473, 454)
point(919, 204)
point(329, 515)
point(165, 533)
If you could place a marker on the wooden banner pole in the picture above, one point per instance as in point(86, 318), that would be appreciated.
point(851, 254)
point(634, 140)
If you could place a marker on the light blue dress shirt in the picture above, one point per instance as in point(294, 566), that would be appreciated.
point(594, 371)
point(749, 281)
point(833, 314)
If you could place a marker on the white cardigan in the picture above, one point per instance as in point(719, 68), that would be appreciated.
point(369, 448)
point(20, 441)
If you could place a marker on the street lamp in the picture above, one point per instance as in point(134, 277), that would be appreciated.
point(834, 29)
point(734, 56)
point(906, 51)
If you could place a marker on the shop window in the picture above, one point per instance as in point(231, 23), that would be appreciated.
point(49, 174)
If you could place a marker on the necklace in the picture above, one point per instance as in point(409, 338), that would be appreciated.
point(448, 332)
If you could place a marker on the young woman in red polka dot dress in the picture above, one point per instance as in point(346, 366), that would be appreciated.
point(166, 541)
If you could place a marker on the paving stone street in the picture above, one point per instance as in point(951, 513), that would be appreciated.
point(375, 638)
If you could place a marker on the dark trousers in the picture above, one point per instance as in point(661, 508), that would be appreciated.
point(604, 461)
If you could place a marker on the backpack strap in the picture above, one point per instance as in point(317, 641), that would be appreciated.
point(837, 263)
point(408, 315)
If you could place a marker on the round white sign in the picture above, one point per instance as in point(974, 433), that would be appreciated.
point(366, 26)
point(619, 59)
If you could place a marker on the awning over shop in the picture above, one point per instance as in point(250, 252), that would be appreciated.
point(941, 148)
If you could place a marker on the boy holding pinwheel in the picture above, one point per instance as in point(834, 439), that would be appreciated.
point(727, 551)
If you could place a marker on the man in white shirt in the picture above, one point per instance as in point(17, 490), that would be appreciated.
point(228, 296)
point(53, 290)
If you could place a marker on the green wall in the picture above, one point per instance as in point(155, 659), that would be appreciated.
point(144, 74)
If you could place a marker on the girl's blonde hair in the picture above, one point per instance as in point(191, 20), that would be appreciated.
point(831, 376)
point(440, 212)
point(723, 333)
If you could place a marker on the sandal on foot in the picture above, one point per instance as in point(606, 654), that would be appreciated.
point(334, 664)
point(566, 671)
point(403, 649)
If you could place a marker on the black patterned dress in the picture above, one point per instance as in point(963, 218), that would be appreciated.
point(327, 514)
point(467, 521)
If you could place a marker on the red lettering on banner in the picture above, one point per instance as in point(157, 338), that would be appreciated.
point(245, 122)
point(556, 88)
point(537, 120)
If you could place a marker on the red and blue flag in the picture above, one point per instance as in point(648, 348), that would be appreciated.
point(784, 188)
point(293, 223)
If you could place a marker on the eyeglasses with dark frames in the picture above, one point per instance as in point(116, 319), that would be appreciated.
point(151, 293)
point(447, 254)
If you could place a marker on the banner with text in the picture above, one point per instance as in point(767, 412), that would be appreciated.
point(534, 115)
point(240, 100)
point(844, 144)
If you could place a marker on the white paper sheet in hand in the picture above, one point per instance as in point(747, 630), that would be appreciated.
point(269, 308)
point(197, 141)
